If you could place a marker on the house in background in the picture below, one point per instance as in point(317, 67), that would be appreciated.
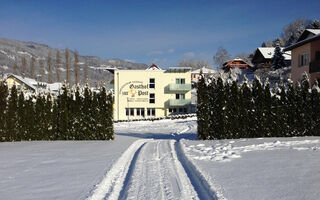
point(262, 57)
point(205, 71)
point(21, 83)
point(31, 85)
point(306, 56)
point(236, 63)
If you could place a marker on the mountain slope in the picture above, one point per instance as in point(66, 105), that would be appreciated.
point(12, 50)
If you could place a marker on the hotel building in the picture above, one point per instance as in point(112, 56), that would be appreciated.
point(151, 93)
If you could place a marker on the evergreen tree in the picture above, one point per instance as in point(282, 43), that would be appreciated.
point(30, 120)
point(291, 109)
point(306, 103)
point(202, 109)
point(63, 112)
point(3, 109)
point(315, 103)
point(268, 119)
point(40, 126)
point(246, 107)
point(21, 113)
point(258, 108)
point(278, 58)
point(49, 127)
point(108, 123)
point(11, 115)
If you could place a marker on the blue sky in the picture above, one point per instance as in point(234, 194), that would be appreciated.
point(161, 32)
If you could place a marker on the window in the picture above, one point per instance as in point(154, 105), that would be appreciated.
point(151, 83)
point(304, 60)
point(317, 55)
point(131, 111)
point(180, 110)
point(180, 96)
point(151, 112)
point(185, 110)
point(127, 111)
point(140, 112)
point(180, 81)
point(152, 98)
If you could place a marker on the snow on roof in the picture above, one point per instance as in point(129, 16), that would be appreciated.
point(28, 81)
point(314, 31)
point(204, 70)
point(54, 86)
point(267, 53)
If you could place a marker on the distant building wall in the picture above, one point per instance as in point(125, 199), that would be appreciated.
point(140, 94)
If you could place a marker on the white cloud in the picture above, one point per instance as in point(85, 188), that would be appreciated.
point(155, 53)
point(189, 54)
point(170, 50)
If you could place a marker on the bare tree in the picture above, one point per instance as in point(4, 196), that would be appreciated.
point(49, 63)
point(76, 67)
point(221, 56)
point(23, 66)
point(194, 63)
point(32, 61)
point(15, 67)
point(292, 32)
point(58, 65)
point(41, 69)
point(67, 66)
point(85, 73)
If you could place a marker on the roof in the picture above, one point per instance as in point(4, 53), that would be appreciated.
point(153, 67)
point(27, 81)
point(267, 52)
point(237, 59)
point(314, 31)
point(298, 44)
point(204, 70)
point(307, 33)
point(178, 69)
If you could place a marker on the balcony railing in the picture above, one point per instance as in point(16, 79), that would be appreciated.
point(179, 102)
point(314, 66)
point(110, 86)
point(179, 87)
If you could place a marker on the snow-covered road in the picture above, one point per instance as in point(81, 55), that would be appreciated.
point(155, 169)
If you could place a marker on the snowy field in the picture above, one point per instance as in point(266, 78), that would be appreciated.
point(161, 160)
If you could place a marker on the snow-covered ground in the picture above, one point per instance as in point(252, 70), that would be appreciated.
point(161, 160)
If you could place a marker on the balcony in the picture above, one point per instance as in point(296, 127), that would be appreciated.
point(314, 66)
point(173, 87)
point(179, 102)
point(110, 86)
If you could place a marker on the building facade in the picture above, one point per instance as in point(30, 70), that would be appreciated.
point(305, 58)
point(262, 57)
point(236, 63)
point(205, 71)
point(140, 94)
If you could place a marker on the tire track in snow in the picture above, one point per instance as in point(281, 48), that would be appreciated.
point(158, 174)
point(200, 184)
point(112, 183)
